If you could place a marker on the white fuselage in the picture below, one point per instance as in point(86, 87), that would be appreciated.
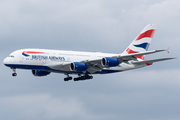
point(43, 59)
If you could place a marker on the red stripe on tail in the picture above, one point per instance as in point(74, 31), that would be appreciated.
point(148, 33)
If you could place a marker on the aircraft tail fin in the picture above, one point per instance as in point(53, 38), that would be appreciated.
point(142, 41)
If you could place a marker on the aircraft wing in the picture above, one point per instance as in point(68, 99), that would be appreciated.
point(95, 64)
point(150, 61)
point(60, 66)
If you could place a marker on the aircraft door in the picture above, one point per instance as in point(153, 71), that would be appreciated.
point(21, 59)
point(93, 56)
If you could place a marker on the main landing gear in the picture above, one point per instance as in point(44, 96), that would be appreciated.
point(14, 74)
point(68, 78)
point(85, 77)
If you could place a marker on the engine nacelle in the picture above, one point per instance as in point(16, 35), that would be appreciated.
point(109, 62)
point(40, 73)
point(78, 66)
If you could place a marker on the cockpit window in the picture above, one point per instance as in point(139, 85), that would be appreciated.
point(11, 56)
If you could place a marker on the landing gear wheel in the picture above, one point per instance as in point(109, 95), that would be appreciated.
point(65, 79)
point(76, 79)
point(68, 78)
point(14, 74)
point(86, 77)
point(14, 70)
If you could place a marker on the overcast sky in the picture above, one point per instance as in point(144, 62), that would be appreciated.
point(151, 93)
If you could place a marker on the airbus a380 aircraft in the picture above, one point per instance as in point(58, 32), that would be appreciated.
point(42, 61)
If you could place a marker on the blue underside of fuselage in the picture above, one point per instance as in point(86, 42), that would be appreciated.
point(46, 68)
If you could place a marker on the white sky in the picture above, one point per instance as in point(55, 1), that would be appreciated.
point(150, 93)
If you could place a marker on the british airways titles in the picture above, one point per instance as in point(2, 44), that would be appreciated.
point(53, 58)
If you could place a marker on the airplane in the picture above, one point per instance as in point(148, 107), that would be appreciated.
point(84, 64)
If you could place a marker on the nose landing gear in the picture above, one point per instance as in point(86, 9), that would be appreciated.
point(14, 74)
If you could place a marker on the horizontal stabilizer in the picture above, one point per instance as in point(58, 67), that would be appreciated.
point(130, 56)
point(142, 53)
point(151, 61)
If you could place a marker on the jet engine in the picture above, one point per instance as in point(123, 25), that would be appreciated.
point(78, 66)
point(40, 73)
point(109, 62)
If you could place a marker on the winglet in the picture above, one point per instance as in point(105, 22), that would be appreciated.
point(168, 49)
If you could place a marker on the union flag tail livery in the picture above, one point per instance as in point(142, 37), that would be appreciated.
point(84, 64)
point(142, 41)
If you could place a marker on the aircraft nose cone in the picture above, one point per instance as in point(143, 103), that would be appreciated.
point(6, 61)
